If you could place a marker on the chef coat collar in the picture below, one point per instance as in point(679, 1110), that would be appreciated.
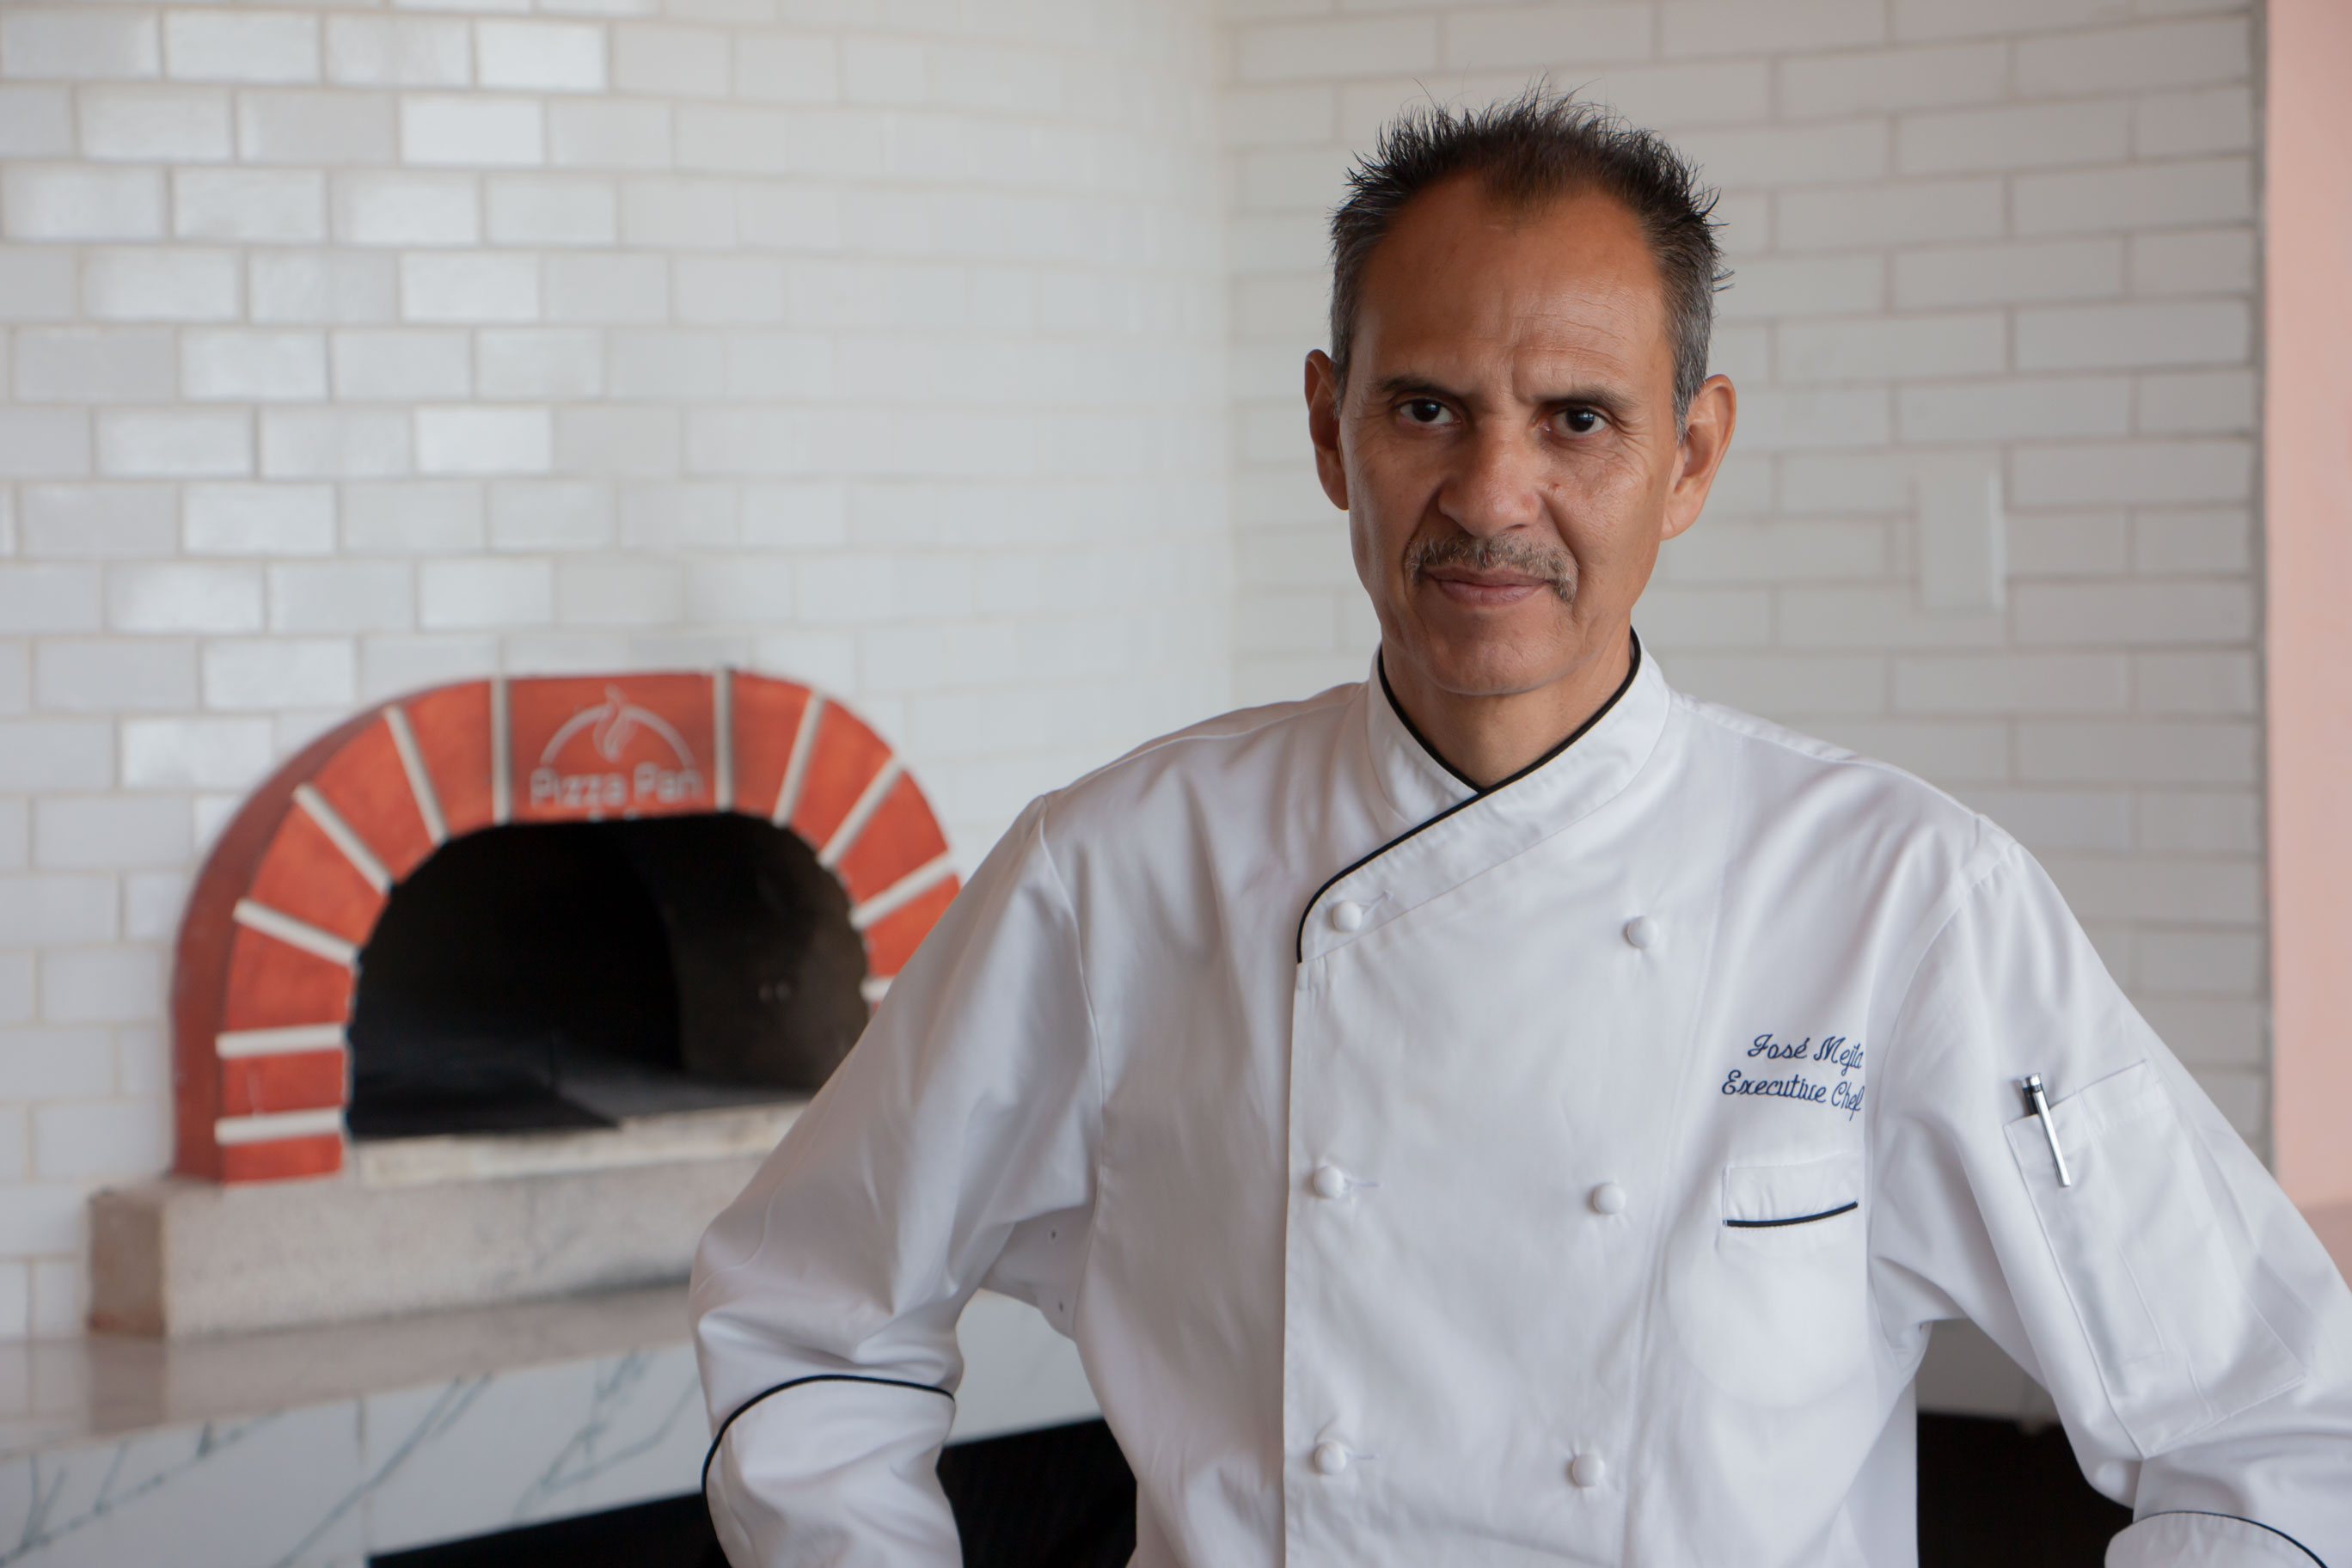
point(1418, 781)
point(1456, 829)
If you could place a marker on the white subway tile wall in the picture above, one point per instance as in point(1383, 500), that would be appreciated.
point(2008, 233)
point(345, 350)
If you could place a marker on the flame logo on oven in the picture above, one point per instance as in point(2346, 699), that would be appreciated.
point(611, 725)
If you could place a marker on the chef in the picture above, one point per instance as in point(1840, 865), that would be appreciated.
point(1509, 1112)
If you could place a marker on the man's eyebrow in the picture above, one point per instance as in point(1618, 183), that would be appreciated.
point(1409, 385)
point(1609, 400)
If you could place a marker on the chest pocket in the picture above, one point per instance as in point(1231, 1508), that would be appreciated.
point(1801, 1201)
point(1771, 1300)
point(2155, 1279)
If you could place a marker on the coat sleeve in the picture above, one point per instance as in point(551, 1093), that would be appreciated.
point(951, 1149)
point(2195, 1336)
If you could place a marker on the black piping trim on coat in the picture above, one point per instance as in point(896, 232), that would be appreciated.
point(1793, 1219)
point(1632, 668)
point(1465, 780)
point(2258, 1524)
point(721, 1435)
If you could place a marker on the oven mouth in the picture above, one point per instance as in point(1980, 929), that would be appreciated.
point(565, 976)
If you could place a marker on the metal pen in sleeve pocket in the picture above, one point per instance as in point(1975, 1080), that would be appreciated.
point(2038, 1104)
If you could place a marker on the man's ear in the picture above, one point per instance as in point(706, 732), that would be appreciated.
point(1707, 437)
point(1323, 425)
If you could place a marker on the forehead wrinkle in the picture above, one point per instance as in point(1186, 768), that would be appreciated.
point(1603, 324)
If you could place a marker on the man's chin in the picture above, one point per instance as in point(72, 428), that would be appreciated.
point(1487, 671)
point(1489, 655)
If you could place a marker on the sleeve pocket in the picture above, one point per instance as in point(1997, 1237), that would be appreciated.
point(2158, 1285)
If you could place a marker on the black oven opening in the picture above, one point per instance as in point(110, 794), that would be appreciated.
point(547, 976)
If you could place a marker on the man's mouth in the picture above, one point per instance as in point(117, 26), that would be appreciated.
point(1486, 574)
point(1485, 590)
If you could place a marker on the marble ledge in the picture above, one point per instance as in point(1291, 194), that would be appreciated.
point(319, 1447)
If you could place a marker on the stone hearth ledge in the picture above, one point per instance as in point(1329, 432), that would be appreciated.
point(318, 1447)
point(424, 1224)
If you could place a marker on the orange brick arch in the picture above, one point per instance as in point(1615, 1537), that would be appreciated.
point(263, 979)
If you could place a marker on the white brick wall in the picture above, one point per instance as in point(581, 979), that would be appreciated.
point(346, 352)
point(2018, 230)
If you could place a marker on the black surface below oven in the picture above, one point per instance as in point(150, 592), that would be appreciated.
point(1063, 1497)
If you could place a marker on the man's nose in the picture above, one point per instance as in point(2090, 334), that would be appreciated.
point(1496, 485)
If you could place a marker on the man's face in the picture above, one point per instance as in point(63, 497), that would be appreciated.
point(1506, 446)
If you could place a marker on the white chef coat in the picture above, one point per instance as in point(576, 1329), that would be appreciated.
point(1567, 1172)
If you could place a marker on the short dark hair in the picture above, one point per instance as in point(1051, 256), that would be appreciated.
point(1528, 151)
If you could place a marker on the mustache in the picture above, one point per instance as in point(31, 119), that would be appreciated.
point(1554, 567)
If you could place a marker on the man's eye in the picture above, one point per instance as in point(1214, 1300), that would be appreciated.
point(1579, 421)
point(1427, 411)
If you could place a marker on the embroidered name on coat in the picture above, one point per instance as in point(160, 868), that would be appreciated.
point(1840, 1093)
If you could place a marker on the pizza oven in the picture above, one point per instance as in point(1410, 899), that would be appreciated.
point(541, 964)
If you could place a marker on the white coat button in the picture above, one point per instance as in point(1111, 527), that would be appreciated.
point(1348, 915)
point(1608, 1198)
point(1330, 1181)
point(1585, 1469)
point(1331, 1458)
point(1641, 930)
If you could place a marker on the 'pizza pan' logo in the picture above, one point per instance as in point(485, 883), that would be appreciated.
point(616, 756)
